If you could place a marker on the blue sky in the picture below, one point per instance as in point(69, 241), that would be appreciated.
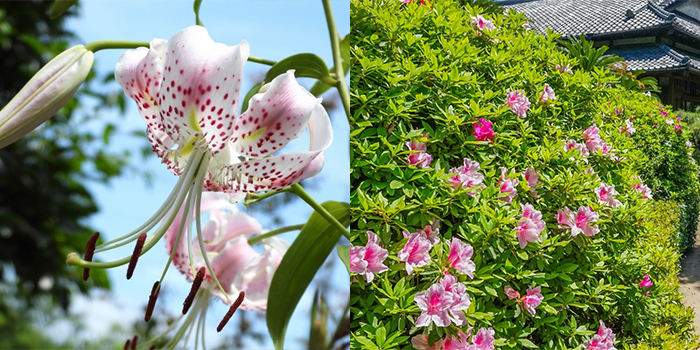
point(275, 30)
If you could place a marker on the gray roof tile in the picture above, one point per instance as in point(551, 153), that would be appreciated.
point(652, 58)
point(595, 17)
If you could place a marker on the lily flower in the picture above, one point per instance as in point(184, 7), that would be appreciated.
point(237, 266)
point(187, 90)
point(45, 93)
point(235, 271)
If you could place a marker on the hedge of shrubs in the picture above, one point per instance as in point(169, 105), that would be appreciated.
point(498, 200)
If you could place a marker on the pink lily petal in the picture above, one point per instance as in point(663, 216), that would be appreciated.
point(201, 90)
point(276, 115)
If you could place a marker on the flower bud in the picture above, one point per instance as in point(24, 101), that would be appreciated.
point(48, 90)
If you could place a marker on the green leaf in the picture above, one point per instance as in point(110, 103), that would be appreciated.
point(299, 265)
point(197, 4)
point(254, 90)
point(344, 254)
point(395, 184)
point(306, 65)
point(528, 344)
point(60, 7)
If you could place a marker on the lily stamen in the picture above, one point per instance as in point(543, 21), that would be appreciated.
point(231, 310)
point(195, 288)
point(89, 251)
point(152, 301)
point(135, 256)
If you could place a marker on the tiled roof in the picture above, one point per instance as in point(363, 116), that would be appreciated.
point(654, 58)
point(602, 17)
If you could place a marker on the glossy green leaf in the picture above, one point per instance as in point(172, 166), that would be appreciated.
point(60, 7)
point(299, 265)
point(305, 65)
point(344, 254)
point(254, 90)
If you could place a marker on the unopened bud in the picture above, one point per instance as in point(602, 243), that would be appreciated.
point(48, 90)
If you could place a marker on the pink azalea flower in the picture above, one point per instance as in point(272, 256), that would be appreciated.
point(594, 141)
point(483, 340)
point(483, 130)
point(506, 185)
point(460, 299)
point(644, 190)
point(420, 158)
point(564, 69)
point(532, 179)
point(676, 127)
point(237, 266)
point(646, 282)
point(466, 176)
point(434, 303)
point(628, 129)
point(415, 252)
point(572, 145)
point(605, 195)
point(526, 26)
point(432, 232)
point(460, 257)
point(532, 299)
point(369, 259)
point(603, 340)
point(518, 103)
point(547, 94)
point(529, 226)
point(580, 222)
point(511, 293)
point(420, 342)
point(460, 342)
point(482, 23)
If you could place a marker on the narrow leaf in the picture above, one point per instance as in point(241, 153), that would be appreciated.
point(60, 7)
point(344, 254)
point(299, 265)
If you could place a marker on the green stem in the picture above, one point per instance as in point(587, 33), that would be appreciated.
point(114, 44)
point(261, 61)
point(337, 59)
point(258, 238)
point(299, 191)
point(117, 44)
point(254, 198)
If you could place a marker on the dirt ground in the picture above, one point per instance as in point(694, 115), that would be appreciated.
point(690, 280)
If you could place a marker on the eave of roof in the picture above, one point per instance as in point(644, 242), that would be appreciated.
point(605, 19)
point(657, 58)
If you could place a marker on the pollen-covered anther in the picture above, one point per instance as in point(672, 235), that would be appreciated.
point(135, 256)
point(134, 341)
point(152, 301)
point(195, 287)
point(89, 252)
point(127, 345)
point(231, 310)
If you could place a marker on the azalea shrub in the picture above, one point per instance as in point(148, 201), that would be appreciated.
point(498, 201)
point(667, 166)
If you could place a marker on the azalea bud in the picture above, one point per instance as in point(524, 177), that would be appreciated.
point(44, 94)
